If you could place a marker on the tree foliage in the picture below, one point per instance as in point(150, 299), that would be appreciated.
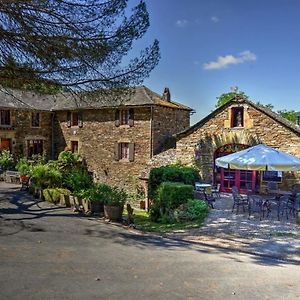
point(288, 114)
point(226, 97)
point(79, 45)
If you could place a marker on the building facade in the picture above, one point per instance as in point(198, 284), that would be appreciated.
point(235, 126)
point(116, 140)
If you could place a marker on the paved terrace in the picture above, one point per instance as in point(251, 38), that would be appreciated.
point(230, 230)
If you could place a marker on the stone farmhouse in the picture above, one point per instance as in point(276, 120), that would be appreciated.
point(116, 139)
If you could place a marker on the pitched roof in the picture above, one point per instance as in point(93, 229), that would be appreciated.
point(138, 96)
point(286, 123)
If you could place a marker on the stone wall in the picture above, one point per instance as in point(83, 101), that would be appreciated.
point(21, 131)
point(216, 132)
point(166, 122)
point(97, 139)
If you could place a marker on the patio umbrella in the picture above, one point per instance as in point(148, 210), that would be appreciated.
point(260, 158)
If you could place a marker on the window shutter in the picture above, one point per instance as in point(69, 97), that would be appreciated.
point(131, 117)
point(131, 152)
point(68, 119)
point(80, 119)
point(117, 151)
point(117, 117)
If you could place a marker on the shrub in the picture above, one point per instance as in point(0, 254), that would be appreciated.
point(193, 210)
point(77, 180)
point(172, 173)
point(97, 192)
point(68, 160)
point(171, 194)
point(43, 176)
point(6, 160)
point(115, 197)
point(53, 195)
point(23, 167)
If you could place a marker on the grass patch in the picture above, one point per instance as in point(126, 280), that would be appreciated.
point(284, 234)
point(142, 222)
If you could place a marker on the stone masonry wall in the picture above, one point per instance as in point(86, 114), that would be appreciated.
point(97, 139)
point(166, 122)
point(21, 131)
point(258, 128)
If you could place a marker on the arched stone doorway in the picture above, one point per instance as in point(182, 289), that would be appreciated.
point(228, 178)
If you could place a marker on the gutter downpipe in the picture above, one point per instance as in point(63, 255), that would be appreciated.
point(52, 136)
point(151, 133)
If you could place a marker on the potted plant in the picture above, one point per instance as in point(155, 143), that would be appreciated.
point(114, 203)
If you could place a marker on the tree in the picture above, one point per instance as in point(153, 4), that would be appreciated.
point(288, 114)
point(79, 45)
point(226, 97)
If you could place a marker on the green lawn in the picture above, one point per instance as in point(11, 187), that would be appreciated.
point(142, 222)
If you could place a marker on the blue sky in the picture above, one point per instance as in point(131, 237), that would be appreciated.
point(208, 46)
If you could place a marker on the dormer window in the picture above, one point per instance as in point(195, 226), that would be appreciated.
point(237, 117)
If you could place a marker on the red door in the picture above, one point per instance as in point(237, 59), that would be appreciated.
point(243, 180)
point(5, 144)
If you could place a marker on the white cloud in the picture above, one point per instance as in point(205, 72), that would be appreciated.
point(181, 23)
point(214, 19)
point(224, 61)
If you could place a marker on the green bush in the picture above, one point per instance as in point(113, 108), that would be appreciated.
point(172, 194)
point(115, 197)
point(193, 210)
point(44, 176)
point(77, 180)
point(97, 192)
point(53, 195)
point(6, 160)
point(172, 173)
point(23, 167)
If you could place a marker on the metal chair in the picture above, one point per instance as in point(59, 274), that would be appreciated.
point(238, 200)
point(286, 205)
point(201, 195)
point(215, 191)
point(256, 204)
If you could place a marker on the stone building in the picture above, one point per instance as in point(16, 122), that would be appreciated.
point(232, 127)
point(115, 137)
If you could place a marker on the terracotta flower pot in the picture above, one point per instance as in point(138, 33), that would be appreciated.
point(113, 213)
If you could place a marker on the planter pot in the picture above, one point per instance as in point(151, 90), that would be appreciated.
point(86, 205)
point(72, 200)
point(64, 200)
point(113, 213)
point(96, 207)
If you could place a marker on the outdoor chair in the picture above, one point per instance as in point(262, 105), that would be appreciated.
point(215, 191)
point(286, 206)
point(238, 200)
point(272, 186)
point(201, 195)
point(256, 204)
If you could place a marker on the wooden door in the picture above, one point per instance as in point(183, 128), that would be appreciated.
point(5, 144)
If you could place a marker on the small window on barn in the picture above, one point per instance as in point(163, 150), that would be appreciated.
point(124, 151)
point(237, 117)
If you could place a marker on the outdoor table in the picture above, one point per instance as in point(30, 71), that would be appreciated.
point(278, 194)
point(202, 186)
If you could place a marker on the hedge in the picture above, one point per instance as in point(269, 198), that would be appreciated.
point(171, 173)
point(53, 195)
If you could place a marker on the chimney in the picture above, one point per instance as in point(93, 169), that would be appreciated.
point(166, 94)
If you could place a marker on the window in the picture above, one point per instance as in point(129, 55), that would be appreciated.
point(74, 146)
point(124, 117)
point(237, 117)
point(35, 119)
point(124, 151)
point(5, 117)
point(5, 144)
point(35, 147)
point(74, 119)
